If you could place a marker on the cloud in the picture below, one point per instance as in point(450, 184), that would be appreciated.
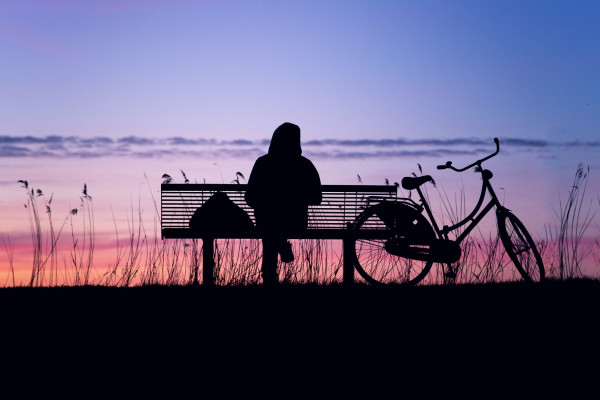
point(29, 139)
point(524, 142)
point(180, 140)
point(426, 142)
point(135, 140)
point(391, 153)
point(14, 151)
point(578, 143)
point(147, 147)
point(396, 142)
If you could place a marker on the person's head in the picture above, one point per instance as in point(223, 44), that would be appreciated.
point(286, 140)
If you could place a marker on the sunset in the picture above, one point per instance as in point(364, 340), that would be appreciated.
point(114, 95)
point(421, 181)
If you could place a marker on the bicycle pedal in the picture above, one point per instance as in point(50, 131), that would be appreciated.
point(450, 275)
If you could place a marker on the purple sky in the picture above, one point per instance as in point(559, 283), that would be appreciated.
point(341, 69)
point(103, 92)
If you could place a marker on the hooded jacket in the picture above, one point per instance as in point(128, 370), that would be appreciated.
point(283, 183)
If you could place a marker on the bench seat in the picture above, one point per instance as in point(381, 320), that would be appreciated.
point(341, 205)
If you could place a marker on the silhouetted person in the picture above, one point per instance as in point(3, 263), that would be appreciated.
point(281, 186)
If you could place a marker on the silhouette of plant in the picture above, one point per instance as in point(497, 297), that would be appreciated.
point(167, 179)
point(44, 251)
point(143, 258)
point(575, 216)
point(238, 175)
point(82, 252)
point(186, 180)
point(9, 247)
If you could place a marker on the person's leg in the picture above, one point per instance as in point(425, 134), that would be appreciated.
point(285, 251)
point(269, 261)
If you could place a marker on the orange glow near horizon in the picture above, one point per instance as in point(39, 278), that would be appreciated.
point(115, 94)
point(125, 206)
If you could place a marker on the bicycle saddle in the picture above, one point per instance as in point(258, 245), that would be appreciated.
point(411, 183)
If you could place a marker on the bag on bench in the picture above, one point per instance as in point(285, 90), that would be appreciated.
point(220, 216)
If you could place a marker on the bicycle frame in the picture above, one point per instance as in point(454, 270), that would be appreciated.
point(475, 216)
point(412, 242)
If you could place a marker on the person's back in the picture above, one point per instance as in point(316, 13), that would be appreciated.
point(281, 186)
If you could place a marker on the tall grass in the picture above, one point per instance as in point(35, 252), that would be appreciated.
point(82, 246)
point(576, 216)
point(10, 251)
point(483, 257)
point(44, 246)
point(566, 245)
point(563, 249)
point(596, 252)
point(142, 257)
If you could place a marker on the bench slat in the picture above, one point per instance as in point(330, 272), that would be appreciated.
point(233, 187)
point(341, 204)
point(186, 233)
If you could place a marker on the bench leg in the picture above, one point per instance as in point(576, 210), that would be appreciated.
point(208, 261)
point(348, 262)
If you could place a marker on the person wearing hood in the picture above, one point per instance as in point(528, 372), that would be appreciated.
point(282, 185)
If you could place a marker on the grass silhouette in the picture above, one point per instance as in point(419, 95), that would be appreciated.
point(144, 259)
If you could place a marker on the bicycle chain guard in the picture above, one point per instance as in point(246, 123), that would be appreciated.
point(413, 240)
point(437, 250)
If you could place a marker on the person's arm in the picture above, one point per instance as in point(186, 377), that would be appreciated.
point(314, 192)
point(251, 196)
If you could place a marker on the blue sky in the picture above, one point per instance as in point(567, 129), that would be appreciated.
point(340, 69)
point(114, 93)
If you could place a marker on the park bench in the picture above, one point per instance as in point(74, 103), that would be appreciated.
point(332, 219)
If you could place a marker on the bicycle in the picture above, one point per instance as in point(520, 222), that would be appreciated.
point(396, 244)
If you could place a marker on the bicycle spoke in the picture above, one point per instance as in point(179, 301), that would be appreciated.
point(373, 243)
point(373, 262)
point(520, 247)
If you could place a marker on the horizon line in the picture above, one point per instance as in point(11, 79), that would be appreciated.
point(56, 146)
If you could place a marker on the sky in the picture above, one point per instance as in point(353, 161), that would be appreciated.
point(113, 94)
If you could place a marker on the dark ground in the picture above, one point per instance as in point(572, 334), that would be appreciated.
point(500, 334)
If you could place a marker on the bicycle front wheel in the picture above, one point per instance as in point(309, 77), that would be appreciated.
point(520, 246)
point(379, 225)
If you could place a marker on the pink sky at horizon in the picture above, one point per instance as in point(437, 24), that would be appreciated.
point(122, 191)
point(114, 94)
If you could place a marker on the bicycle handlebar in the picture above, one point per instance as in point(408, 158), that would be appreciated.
point(448, 164)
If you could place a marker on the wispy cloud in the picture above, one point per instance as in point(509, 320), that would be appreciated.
point(13, 151)
point(146, 147)
point(135, 140)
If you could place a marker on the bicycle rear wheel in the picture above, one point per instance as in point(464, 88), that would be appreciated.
point(381, 224)
point(520, 246)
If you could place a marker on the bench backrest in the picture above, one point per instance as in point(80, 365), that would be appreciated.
point(341, 204)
